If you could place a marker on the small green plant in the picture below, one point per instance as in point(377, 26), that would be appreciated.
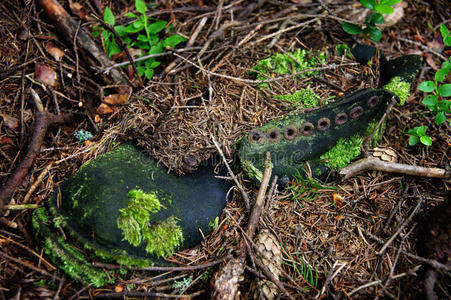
point(182, 284)
point(436, 100)
point(214, 224)
point(378, 7)
point(142, 33)
point(284, 64)
point(418, 134)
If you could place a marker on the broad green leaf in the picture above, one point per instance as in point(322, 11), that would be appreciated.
point(158, 48)
point(351, 28)
point(140, 6)
point(440, 118)
point(149, 73)
point(426, 86)
point(445, 90)
point(141, 70)
point(390, 2)
point(441, 74)
point(376, 35)
point(141, 37)
point(155, 64)
point(413, 140)
point(430, 101)
point(121, 30)
point(384, 8)
point(426, 140)
point(444, 106)
point(108, 16)
point(106, 35)
point(421, 130)
point(445, 35)
point(131, 15)
point(446, 63)
point(375, 18)
point(138, 24)
point(157, 26)
point(173, 41)
point(368, 3)
point(112, 48)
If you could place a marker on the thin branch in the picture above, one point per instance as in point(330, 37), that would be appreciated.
point(372, 163)
point(235, 179)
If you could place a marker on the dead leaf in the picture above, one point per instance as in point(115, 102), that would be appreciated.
point(104, 109)
point(337, 198)
point(11, 122)
point(116, 99)
point(79, 10)
point(437, 42)
point(118, 289)
point(45, 74)
point(430, 61)
point(54, 51)
point(6, 140)
point(122, 56)
point(396, 15)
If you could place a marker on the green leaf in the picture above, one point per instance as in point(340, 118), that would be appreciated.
point(384, 8)
point(445, 90)
point(375, 18)
point(140, 6)
point(445, 106)
point(413, 140)
point(141, 37)
point(426, 86)
point(376, 35)
point(173, 41)
point(138, 24)
point(426, 140)
point(131, 15)
point(368, 3)
point(390, 2)
point(121, 30)
point(96, 31)
point(441, 74)
point(149, 73)
point(446, 64)
point(445, 35)
point(421, 130)
point(157, 26)
point(440, 118)
point(158, 48)
point(351, 28)
point(430, 101)
point(112, 48)
point(108, 16)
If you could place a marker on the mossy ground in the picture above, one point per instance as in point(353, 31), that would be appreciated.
point(400, 88)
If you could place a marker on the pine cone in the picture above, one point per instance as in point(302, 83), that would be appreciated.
point(268, 245)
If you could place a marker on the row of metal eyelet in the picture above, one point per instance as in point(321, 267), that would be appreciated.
point(323, 124)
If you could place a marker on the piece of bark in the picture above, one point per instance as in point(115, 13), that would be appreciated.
point(67, 27)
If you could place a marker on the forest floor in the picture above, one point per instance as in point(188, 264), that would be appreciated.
point(358, 238)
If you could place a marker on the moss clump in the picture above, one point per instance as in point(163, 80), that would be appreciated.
point(66, 257)
point(348, 149)
point(284, 64)
point(304, 98)
point(134, 218)
point(400, 88)
point(251, 170)
point(163, 238)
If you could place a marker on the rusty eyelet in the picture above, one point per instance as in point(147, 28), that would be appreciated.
point(256, 136)
point(323, 124)
point(356, 112)
point(290, 133)
point(373, 101)
point(341, 118)
point(190, 160)
point(307, 129)
point(273, 135)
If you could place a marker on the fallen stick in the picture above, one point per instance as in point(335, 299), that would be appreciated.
point(67, 27)
point(371, 163)
point(44, 120)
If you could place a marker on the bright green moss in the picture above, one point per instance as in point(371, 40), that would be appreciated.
point(284, 64)
point(304, 98)
point(400, 88)
point(163, 238)
point(134, 218)
point(348, 149)
point(251, 170)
